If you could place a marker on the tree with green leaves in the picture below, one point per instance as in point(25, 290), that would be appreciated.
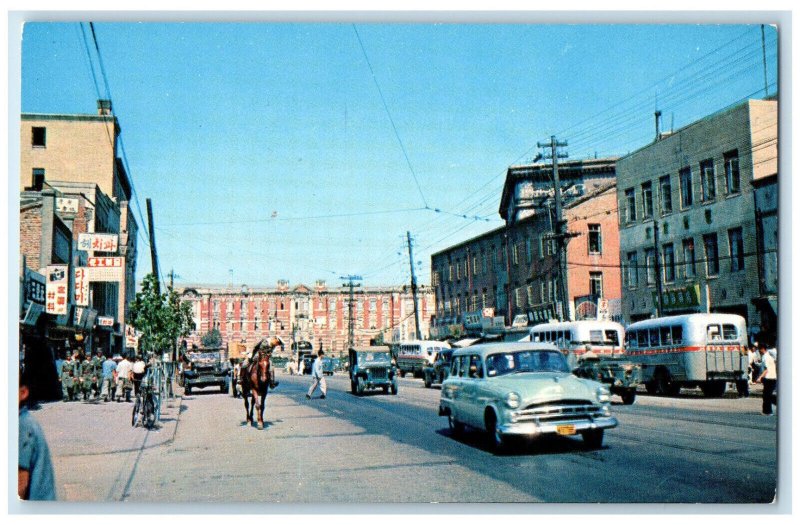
point(161, 317)
point(212, 339)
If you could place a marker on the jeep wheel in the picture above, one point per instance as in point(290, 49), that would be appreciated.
point(353, 388)
point(385, 389)
point(360, 386)
point(628, 396)
point(428, 381)
point(593, 439)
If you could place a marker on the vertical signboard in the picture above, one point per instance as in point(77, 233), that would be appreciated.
point(57, 289)
point(81, 287)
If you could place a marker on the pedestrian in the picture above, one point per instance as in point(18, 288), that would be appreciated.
point(67, 380)
point(35, 478)
point(108, 384)
point(769, 377)
point(88, 378)
point(124, 374)
point(137, 373)
point(318, 378)
point(753, 362)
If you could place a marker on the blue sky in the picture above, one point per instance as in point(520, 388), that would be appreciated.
point(280, 151)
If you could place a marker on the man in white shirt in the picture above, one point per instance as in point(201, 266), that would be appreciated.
point(769, 377)
point(318, 377)
point(124, 376)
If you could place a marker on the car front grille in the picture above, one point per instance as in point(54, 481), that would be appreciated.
point(561, 410)
point(378, 373)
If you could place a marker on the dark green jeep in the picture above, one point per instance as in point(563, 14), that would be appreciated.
point(372, 367)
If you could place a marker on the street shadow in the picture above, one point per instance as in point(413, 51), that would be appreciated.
point(519, 446)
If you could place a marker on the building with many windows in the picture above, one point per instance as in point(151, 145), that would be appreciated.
point(686, 207)
point(318, 314)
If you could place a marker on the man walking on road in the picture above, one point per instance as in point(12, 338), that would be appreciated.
point(769, 377)
point(318, 377)
point(124, 373)
point(107, 385)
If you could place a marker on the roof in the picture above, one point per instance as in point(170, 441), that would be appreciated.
point(494, 348)
point(371, 349)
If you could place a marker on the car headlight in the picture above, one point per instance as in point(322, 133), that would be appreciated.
point(602, 394)
point(512, 400)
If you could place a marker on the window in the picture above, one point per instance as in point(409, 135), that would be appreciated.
point(669, 263)
point(518, 297)
point(707, 184)
point(729, 332)
point(515, 254)
point(650, 263)
point(647, 200)
point(458, 270)
point(37, 179)
point(666, 335)
point(665, 195)
point(633, 270)
point(528, 250)
point(732, 171)
point(630, 205)
point(450, 272)
point(677, 335)
point(595, 240)
point(654, 337)
point(712, 254)
point(38, 137)
point(736, 245)
point(689, 270)
point(596, 284)
point(686, 187)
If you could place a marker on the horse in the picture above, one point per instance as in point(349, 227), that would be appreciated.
point(256, 381)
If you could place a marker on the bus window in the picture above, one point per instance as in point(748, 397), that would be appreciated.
point(653, 337)
point(729, 332)
point(596, 336)
point(642, 338)
point(612, 337)
point(713, 333)
point(630, 338)
point(677, 335)
point(666, 335)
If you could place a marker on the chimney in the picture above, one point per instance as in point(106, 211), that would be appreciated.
point(104, 107)
point(658, 124)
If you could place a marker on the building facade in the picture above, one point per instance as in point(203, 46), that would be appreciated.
point(686, 207)
point(317, 314)
point(510, 274)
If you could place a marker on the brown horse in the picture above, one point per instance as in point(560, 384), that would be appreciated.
point(256, 380)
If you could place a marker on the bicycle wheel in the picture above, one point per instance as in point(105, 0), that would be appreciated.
point(136, 410)
point(149, 415)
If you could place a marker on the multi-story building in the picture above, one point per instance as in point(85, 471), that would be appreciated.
point(686, 206)
point(75, 156)
point(513, 270)
point(318, 314)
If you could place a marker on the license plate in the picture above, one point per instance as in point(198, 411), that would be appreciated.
point(566, 430)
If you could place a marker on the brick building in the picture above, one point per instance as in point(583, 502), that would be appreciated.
point(317, 314)
point(513, 270)
point(694, 190)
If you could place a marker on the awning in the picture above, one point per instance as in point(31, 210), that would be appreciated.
point(461, 343)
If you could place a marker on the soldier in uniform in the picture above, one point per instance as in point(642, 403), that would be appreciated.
point(97, 367)
point(67, 379)
point(88, 378)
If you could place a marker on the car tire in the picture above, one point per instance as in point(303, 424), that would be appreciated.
point(456, 427)
point(593, 439)
point(353, 388)
point(402, 373)
point(629, 396)
point(360, 386)
point(498, 443)
point(385, 389)
point(428, 381)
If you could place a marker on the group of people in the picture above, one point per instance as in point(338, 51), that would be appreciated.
point(763, 369)
point(100, 377)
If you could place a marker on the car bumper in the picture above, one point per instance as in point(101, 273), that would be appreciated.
point(206, 380)
point(532, 429)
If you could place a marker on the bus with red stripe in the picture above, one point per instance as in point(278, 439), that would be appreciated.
point(692, 350)
point(575, 338)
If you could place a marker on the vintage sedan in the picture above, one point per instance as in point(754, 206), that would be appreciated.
point(523, 390)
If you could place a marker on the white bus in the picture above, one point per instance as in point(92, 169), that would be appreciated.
point(705, 350)
point(575, 338)
point(413, 356)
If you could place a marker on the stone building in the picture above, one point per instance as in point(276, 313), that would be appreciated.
point(318, 314)
point(512, 271)
point(686, 202)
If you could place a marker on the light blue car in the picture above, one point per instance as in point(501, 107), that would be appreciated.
point(523, 390)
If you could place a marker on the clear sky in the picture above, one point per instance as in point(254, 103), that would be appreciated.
point(307, 151)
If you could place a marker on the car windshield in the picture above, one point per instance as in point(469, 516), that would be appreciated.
point(374, 357)
point(204, 356)
point(525, 361)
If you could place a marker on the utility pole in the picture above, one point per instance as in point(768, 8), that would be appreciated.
point(659, 284)
point(350, 318)
point(413, 287)
point(172, 276)
point(153, 253)
point(560, 234)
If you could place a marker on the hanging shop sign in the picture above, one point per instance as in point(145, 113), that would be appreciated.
point(35, 288)
point(81, 287)
point(57, 289)
point(542, 314)
point(98, 242)
point(680, 298)
point(66, 205)
point(103, 320)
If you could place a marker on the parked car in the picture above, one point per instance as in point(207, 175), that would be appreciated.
point(328, 366)
point(371, 367)
point(439, 370)
point(206, 368)
point(522, 390)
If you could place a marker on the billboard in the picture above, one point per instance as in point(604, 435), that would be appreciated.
point(57, 289)
point(98, 242)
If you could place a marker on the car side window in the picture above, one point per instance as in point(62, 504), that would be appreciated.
point(475, 367)
point(462, 366)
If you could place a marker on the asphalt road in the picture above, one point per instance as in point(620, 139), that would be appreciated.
point(396, 449)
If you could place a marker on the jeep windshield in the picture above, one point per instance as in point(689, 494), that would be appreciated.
point(525, 361)
point(374, 357)
point(205, 357)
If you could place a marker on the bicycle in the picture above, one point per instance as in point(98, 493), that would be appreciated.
point(145, 411)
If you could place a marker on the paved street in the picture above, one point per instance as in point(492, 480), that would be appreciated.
point(377, 449)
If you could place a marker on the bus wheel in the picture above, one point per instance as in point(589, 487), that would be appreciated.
point(661, 382)
point(713, 388)
point(628, 396)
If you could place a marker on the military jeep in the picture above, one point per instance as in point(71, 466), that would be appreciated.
point(440, 369)
point(371, 367)
point(206, 368)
